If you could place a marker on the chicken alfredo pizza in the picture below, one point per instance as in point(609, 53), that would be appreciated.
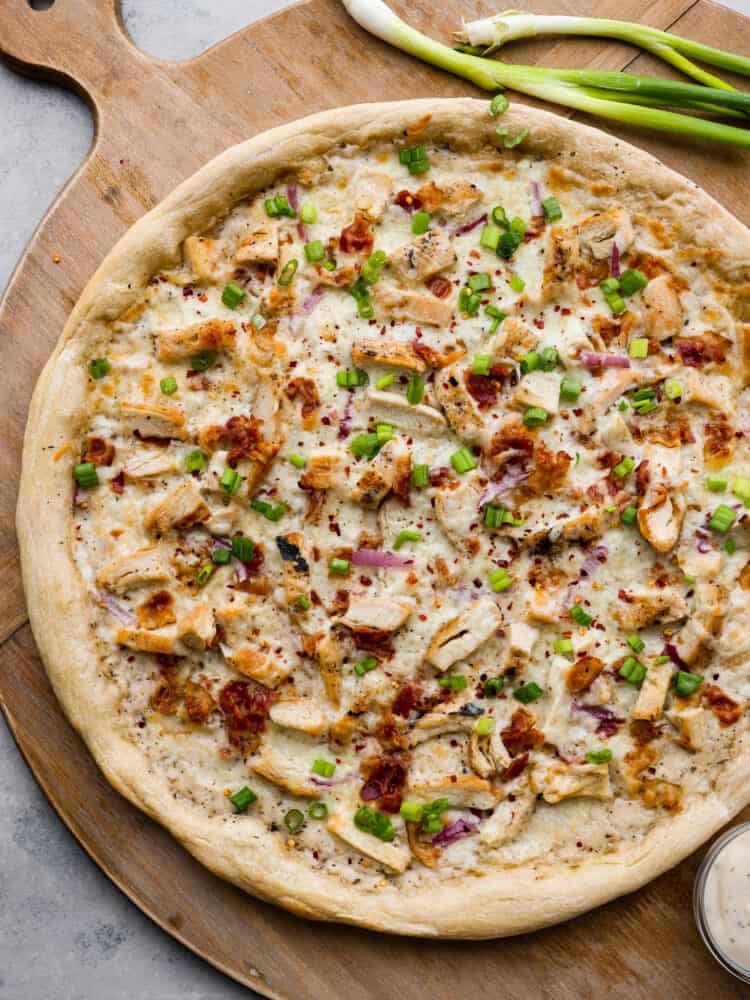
point(384, 517)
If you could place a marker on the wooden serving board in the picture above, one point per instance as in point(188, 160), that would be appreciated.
point(156, 123)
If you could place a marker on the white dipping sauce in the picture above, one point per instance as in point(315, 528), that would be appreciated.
point(726, 900)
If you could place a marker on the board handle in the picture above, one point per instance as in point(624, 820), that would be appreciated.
point(82, 43)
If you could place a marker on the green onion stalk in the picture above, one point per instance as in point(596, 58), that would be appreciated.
point(623, 97)
point(490, 33)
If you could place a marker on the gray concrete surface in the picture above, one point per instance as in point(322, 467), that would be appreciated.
point(65, 932)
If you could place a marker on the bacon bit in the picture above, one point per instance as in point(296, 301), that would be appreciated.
point(583, 673)
point(198, 702)
point(698, 351)
point(521, 735)
point(374, 641)
point(642, 477)
point(671, 435)
point(439, 286)
point(643, 731)
point(384, 782)
point(718, 442)
point(306, 389)
point(436, 359)
point(484, 388)
point(99, 451)
point(406, 700)
point(402, 477)
point(651, 266)
point(591, 273)
point(340, 603)
point(259, 585)
point(440, 476)
point(245, 707)
point(548, 471)
point(514, 437)
point(390, 734)
point(117, 484)
point(408, 201)
point(156, 611)
point(243, 434)
point(726, 709)
point(166, 696)
point(358, 236)
point(515, 768)
point(608, 329)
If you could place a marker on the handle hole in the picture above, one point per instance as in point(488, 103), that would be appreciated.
point(41, 4)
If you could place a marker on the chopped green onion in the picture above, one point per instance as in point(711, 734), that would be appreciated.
point(730, 546)
point(741, 489)
point(469, 302)
point(294, 820)
point(508, 243)
point(411, 812)
point(365, 446)
point(638, 347)
point(549, 359)
point(480, 364)
point(530, 362)
point(323, 768)
point(309, 214)
point(351, 378)
point(406, 536)
point(686, 684)
point(485, 726)
point(242, 548)
point(233, 295)
point(490, 237)
point(722, 518)
point(271, 511)
point(420, 476)
point(493, 686)
point(629, 515)
point(633, 670)
point(599, 756)
point(672, 389)
point(230, 481)
point(645, 406)
point(431, 819)
point(202, 361)
point(643, 394)
point(371, 820)
point(563, 646)
point(298, 461)
point(288, 272)
point(479, 282)
point(617, 304)
point(221, 557)
point(365, 666)
point(632, 281)
point(495, 516)
point(636, 643)
point(610, 508)
point(579, 614)
point(328, 265)
point(552, 210)
point(168, 385)
point(570, 389)
point(463, 461)
point(385, 381)
point(497, 317)
point(318, 810)
point(99, 367)
point(535, 416)
point(339, 567)
point(195, 461)
point(500, 581)
point(456, 683)
point(499, 217)
point(315, 251)
point(498, 105)
point(609, 286)
point(242, 799)
point(689, 580)
point(204, 574)
point(624, 467)
point(303, 603)
point(510, 142)
point(517, 283)
point(279, 206)
point(717, 484)
point(420, 223)
point(662, 659)
point(415, 389)
point(86, 475)
point(528, 693)
point(384, 432)
point(419, 166)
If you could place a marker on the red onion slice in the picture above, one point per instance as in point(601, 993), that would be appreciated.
point(495, 490)
point(346, 422)
point(615, 262)
point(241, 569)
point(312, 301)
point(291, 197)
point(607, 722)
point(594, 559)
point(589, 360)
point(468, 226)
point(536, 199)
point(453, 832)
point(376, 557)
point(123, 616)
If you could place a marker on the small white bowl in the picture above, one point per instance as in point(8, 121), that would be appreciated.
point(699, 903)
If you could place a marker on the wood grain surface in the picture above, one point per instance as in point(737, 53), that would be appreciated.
point(156, 123)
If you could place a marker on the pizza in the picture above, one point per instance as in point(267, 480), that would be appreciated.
point(383, 517)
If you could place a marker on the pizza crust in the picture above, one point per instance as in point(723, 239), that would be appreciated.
point(241, 849)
